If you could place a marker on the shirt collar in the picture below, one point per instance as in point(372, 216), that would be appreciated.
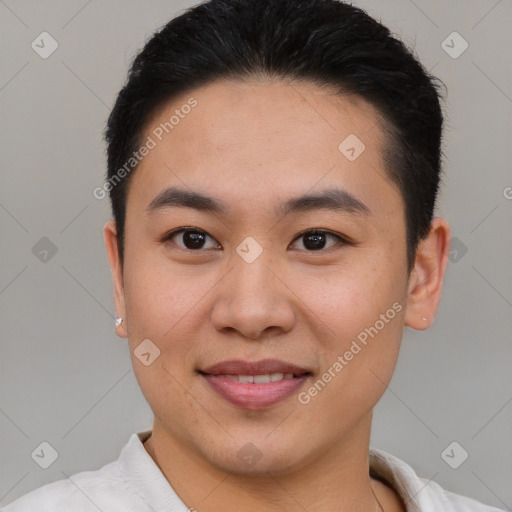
point(142, 475)
point(401, 477)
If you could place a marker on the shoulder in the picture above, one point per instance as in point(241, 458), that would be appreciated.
point(420, 494)
point(441, 499)
point(103, 489)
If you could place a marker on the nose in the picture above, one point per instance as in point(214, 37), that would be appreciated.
point(254, 300)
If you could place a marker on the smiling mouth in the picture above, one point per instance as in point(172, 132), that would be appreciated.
point(261, 379)
point(274, 368)
point(254, 385)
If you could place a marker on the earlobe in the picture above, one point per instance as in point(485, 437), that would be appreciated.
point(112, 247)
point(427, 276)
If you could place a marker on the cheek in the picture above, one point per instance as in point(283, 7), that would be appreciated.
point(350, 299)
point(360, 319)
point(160, 307)
point(158, 296)
point(357, 365)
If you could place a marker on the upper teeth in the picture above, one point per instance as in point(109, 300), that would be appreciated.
point(261, 379)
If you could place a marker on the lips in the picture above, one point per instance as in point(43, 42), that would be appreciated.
point(265, 366)
point(254, 385)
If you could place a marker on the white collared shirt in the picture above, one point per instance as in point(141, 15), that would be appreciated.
point(134, 483)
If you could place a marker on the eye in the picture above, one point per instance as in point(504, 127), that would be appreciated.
point(315, 240)
point(195, 239)
point(189, 239)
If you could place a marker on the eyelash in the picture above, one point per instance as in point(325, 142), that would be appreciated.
point(341, 240)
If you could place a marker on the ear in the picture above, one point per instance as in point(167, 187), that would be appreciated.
point(427, 276)
point(112, 246)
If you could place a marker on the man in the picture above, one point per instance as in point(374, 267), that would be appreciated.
point(273, 168)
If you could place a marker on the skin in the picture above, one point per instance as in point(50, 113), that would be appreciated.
point(253, 145)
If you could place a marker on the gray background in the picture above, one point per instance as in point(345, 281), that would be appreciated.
point(67, 379)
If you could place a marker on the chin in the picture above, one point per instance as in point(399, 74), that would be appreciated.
point(257, 458)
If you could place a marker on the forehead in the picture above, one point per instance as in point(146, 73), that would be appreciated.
point(231, 112)
point(265, 138)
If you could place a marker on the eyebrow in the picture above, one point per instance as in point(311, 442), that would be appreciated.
point(329, 199)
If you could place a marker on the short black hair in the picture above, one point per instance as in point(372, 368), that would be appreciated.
point(325, 42)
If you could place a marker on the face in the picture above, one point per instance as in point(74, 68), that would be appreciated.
point(295, 260)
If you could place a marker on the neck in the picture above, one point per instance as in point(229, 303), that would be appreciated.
point(336, 479)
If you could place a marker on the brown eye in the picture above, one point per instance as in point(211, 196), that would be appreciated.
point(190, 239)
point(316, 240)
